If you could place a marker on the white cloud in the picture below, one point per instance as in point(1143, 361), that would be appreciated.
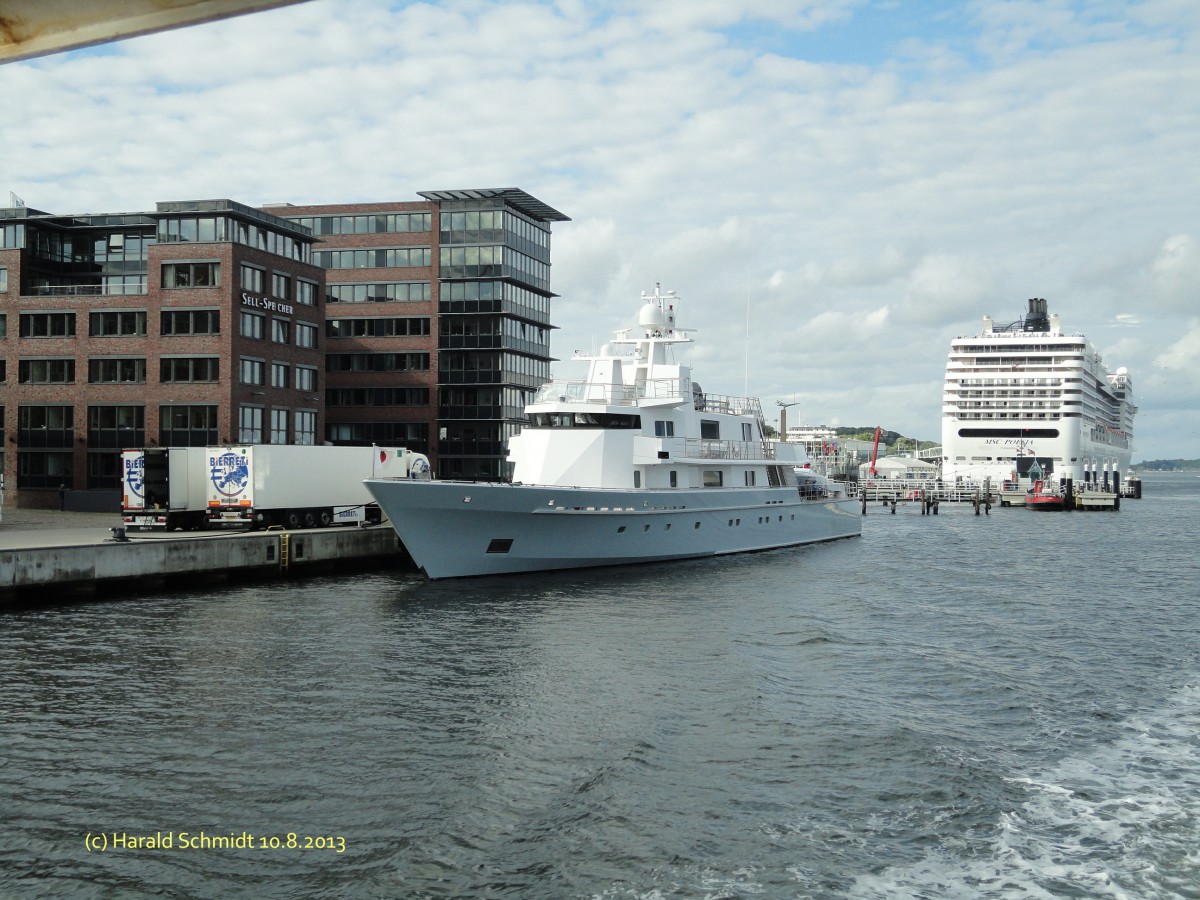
point(868, 212)
point(1183, 355)
point(1176, 272)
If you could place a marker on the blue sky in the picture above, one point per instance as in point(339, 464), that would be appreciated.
point(858, 181)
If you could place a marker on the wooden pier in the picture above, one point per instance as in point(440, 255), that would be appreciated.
point(1089, 496)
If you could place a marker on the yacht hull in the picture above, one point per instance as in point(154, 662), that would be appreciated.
point(459, 529)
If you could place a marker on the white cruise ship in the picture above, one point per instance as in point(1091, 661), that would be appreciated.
point(1029, 397)
point(635, 463)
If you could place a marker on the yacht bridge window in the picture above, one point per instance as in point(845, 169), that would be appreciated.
point(584, 420)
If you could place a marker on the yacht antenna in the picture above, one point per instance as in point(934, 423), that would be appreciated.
point(746, 383)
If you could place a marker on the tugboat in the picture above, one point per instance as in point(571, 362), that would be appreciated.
point(1043, 496)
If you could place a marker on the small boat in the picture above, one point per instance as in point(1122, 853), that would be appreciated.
point(633, 464)
point(1043, 496)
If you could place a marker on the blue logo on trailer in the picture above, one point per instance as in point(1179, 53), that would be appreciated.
point(230, 473)
point(135, 475)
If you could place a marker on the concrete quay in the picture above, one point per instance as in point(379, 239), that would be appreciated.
point(47, 556)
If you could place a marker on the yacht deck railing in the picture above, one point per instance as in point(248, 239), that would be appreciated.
point(677, 389)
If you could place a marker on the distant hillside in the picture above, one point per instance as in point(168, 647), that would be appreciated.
point(886, 438)
point(1168, 465)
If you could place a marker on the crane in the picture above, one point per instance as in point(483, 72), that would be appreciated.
point(875, 450)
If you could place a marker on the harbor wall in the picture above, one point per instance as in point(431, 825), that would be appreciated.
point(48, 574)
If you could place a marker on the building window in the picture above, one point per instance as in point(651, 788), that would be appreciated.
point(204, 228)
point(281, 331)
point(375, 258)
point(413, 435)
point(103, 470)
point(12, 236)
point(405, 396)
point(179, 275)
point(373, 223)
point(191, 321)
point(306, 335)
point(492, 262)
point(117, 323)
point(280, 285)
point(306, 292)
point(48, 324)
point(252, 325)
point(391, 292)
point(3, 372)
point(252, 371)
point(253, 278)
point(280, 375)
point(117, 371)
point(250, 421)
point(279, 426)
point(306, 378)
point(493, 296)
point(45, 426)
point(377, 362)
point(362, 326)
point(116, 427)
point(45, 469)
point(306, 427)
point(3, 279)
point(187, 426)
point(174, 370)
point(46, 371)
point(3, 325)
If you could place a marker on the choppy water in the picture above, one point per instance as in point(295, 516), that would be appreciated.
point(952, 706)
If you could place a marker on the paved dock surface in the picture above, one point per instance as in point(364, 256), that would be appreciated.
point(76, 553)
point(50, 528)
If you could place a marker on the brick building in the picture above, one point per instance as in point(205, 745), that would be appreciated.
point(422, 324)
point(437, 321)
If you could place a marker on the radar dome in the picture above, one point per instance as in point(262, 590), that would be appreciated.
point(652, 316)
point(1122, 371)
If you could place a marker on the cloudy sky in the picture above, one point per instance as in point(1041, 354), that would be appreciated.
point(836, 188)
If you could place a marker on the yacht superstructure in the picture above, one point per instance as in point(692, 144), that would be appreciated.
point(634, 463)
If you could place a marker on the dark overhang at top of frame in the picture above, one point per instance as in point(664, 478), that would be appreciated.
point(514, 197)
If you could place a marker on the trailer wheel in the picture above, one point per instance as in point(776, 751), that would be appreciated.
point(325, 518)
point(310, 519)
point(292, 520)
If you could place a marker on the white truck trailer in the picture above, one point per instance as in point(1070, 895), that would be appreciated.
point(301, 486)
point(165, 488)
